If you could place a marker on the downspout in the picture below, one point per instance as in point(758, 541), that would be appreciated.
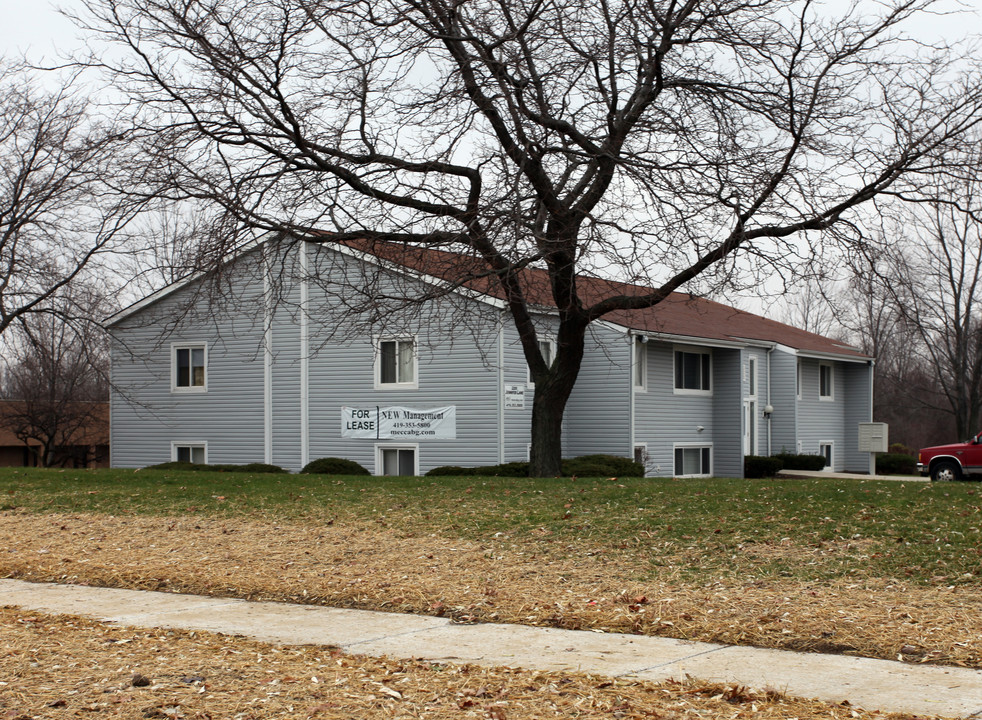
point(769, 351)
point(872, 456)
point(267, 362)
point(112, 402)
point(797, 391)
point(304, 355)
point(630, 386)
point(501, 389)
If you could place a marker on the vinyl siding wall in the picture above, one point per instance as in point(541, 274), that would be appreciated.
point(146, 417)
point(858, 409)
point(784, 391)
point(285, 389)
point(456, 366)
point(466, 351)
point(517, 421)
point(729, 391)
point(598, 415)
point(821, 421)
point(663, 418)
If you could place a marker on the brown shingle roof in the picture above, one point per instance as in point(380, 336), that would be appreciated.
point(680, 314)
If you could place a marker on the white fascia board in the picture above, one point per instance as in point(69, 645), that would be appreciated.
point(683, 339)
point(756, 342)
point(692, 340)
point(815, 355)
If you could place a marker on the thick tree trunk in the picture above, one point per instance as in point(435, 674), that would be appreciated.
point(552, 391)
point(547, 434)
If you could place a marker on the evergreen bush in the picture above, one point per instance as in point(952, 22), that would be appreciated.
point(801, 462)
point(334, 466)
point(757, 466)
point(896, 464)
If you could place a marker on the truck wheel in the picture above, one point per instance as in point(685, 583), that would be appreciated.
point(945, 472)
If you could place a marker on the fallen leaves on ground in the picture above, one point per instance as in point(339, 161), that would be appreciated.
point(55, 667)
point(569, 586)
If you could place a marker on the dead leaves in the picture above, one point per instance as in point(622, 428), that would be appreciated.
point(54, 667)
point(535, 582)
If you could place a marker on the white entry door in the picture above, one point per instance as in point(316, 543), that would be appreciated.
point(749, 427)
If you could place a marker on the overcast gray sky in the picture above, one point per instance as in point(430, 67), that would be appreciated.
point(35, 26)
point(37, 29)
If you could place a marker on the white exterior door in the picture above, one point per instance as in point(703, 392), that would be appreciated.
point(749, 427)
point(750, 409)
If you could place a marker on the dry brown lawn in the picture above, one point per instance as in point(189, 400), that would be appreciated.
point(500, 580)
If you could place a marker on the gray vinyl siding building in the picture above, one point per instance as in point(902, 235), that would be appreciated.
point(598, 417)
point(264, 367)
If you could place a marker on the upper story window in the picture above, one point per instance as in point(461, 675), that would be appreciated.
point(693, 371)
point(640, 364)
point(189, 368)
point(826, 386)
point(548, 350)
point(396, 363)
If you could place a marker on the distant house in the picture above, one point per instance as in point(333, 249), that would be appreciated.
point(308, 370)
point(85, 443)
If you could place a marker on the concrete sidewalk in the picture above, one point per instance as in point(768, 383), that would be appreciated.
point(871, 684)
point(807, 474)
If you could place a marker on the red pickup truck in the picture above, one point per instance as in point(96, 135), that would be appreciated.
point(951, 462)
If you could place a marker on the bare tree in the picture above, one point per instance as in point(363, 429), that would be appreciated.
point(55, 375)
point(934, 279)
point(658, 142)
point(905, 392)
point(58, 214)
point(811, 306)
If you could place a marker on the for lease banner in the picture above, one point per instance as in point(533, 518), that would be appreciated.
point(400, 423)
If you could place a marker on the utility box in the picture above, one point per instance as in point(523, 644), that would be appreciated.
point(874, 437)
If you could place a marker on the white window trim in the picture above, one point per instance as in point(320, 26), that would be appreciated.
point(379, 447)
point(798, 378)
point(693, 350)
point(193, 389)
point(639, 356)
point(682, 446)
point(753, 379)
point(377, 369)
point(528, 372)
point(831, 396)
point(831, 445)
point(187, 443)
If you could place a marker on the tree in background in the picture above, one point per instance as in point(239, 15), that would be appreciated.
point(905, 394)
point(810, 308)
point(60, 210)
point(933, 277)
point(55, 375)
point(660, 142)
point(912, 301)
